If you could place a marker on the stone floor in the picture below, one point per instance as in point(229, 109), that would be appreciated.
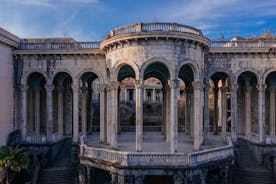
point(155, 142)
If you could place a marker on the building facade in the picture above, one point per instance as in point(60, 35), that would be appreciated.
point(58, 88)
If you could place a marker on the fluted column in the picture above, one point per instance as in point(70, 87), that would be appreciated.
point(75, 112)
point(139, 114)
point(272, 110)
point(173, 84)
point(223, 110)
point(261, 96)
point(83, 110)
point(102, 115)
point(234, 89)
point(197, 114)
point(37, 111)
point(23, 91)
point(60, 110)
point(247, 110)
point(114, 113)
point(49, 89)
point(206, 113)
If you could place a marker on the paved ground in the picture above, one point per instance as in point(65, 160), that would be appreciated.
point(155, 142)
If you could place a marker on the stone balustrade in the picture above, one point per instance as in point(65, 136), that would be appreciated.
point(160, 159)
point(59, 46)
point(155, 26)
point(205, 156)
point(244, 44)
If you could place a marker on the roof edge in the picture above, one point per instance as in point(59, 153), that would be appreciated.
point(9, 38)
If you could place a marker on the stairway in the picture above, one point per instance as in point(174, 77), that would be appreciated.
point(250, 171)
point(62, 171)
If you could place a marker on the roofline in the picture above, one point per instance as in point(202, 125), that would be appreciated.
point(9, 38)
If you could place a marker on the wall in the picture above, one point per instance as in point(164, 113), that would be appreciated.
point(6, 93)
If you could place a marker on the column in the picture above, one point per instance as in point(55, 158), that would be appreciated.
point(192, 106)
point(206, 113)
point(60, 110)
point(90, 128)
point(102, 114)
point(108, 114)
point(75, 113)
point(168, 114)
point(197, 114)
point(261, 96)
point(272, 110)
point(23, 91)
point(247, 110)
point(83, 110)
point(234, 89)
point(173, 84)
point(30, 111)
point(187, 110)
point(153, 95)
point(49, 89)
point(37, 111)
point(114, 114)
point(139, 115)
point(114, 178)
point(223, 109)
point(178, 179)
point(203, 177)
point(216, 110)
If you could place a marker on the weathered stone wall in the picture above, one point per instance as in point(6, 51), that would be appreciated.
point(7, 93)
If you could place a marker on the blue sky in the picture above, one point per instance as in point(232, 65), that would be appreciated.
point(90, 20)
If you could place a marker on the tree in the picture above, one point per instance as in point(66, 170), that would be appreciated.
point(12, 161)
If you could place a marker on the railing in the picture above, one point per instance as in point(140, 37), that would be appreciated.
point(244, 44)
point(252, 137)
point(209, 155)
point(155, 26)
point(58, 46)
point(148, 159)
point(36, 139)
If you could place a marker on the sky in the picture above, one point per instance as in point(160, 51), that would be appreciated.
point(90, 20)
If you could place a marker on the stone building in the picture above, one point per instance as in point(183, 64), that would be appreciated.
point(150, 102)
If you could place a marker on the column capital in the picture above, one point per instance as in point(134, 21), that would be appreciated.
point(75, 88)
point(49, 87)
point(23, 88)
point(234, 87)
point(102, 87)
point(173, 83)
point(197, 85)
point(260, 87)
point(139, 84)
point(114, 85)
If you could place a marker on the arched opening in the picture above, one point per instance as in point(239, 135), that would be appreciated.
point(219, 103)
point(36, 108)
point(270, 122)
point(63, 105)
point(247, 103)
point(89, 104)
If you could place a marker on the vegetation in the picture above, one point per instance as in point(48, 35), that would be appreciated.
point(12, 161)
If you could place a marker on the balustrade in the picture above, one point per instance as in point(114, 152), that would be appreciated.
point(59, 46)
point(244, 44)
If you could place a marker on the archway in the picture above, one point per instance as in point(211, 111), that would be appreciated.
point(270, 122)
point(63, 105)
point(36, 108)
point(247, 111)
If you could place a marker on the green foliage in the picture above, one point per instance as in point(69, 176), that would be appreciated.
point(13, 159)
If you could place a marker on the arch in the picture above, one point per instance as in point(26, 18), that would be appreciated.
point(267, 73)
point(247, 77)
point(88, 77)
point(186, 73)
point(148, 62)
point(219, 75)
point(99, 75)
point(193, 67)
point(157, 70)
point(271, 79)
point(120, 64)
point(25, 80)
point(209, 75)
point(63, 75)
point(253, 71)
point(124, 71)
point(56, 72)
point(36, 79)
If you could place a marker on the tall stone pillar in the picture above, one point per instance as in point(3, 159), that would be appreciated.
point(234, 89)
point(186, 112)
point(197, 114)
point(272, 110)
point(139, 115)
point(114, 114)
point(83, 111)
point(102, 115)
point(223, 110)
point(261, 108)
point(37, 111)
point(49, 89)
point(247, 110)
point(173, 84)
point(60, 110)
point(108, 113)
point(168, 114)
point(206, 113)
point(23, 91)
point(90, 128)
point(215, 110)
point(192, 107)
point(30, 111)
point(75, 113)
